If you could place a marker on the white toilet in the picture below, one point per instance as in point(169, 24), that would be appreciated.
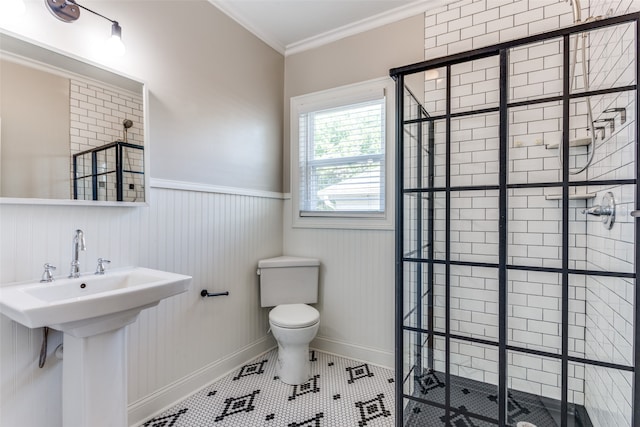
point(288, 284)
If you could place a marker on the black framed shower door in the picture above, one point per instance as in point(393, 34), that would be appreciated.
point(492, 329)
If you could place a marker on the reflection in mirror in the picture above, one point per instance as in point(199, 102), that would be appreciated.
point(68, 129)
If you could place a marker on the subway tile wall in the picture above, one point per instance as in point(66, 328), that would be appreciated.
point(535, 231)
point(97, 115)
point(609, 301)
point(600, 310)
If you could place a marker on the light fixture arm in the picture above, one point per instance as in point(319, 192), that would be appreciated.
point(69, 11)
point(92, 11)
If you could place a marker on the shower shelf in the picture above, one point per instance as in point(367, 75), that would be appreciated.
point(582, 142)
point(579, 196)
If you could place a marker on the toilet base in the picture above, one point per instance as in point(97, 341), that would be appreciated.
point(293, 365)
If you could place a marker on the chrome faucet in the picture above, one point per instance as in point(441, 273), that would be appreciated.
point(47, 276)
point(100, 269)
point(78, 245)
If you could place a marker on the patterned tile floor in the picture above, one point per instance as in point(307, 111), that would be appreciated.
point(340, 393)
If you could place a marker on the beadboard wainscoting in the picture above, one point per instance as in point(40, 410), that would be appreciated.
point(356, 288)
point(175, 348)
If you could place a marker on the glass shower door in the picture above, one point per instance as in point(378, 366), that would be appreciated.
point(516, 262)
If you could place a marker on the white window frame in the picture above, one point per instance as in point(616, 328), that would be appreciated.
point(332, 98)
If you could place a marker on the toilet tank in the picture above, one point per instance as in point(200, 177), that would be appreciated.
point(288, 280)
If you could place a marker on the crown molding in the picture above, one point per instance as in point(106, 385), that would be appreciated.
point(384, 18)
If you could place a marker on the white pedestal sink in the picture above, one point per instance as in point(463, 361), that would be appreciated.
point(94, 380)
point(92, 311)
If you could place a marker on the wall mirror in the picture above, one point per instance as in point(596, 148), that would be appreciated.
point(70, 132)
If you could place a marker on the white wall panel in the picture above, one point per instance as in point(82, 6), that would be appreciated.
point(216, 238)
point(356, 288)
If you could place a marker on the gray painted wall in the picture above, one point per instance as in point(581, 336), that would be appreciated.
point(216, 97)
point(215, 90)
point(34, 107)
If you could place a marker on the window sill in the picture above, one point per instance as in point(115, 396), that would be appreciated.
point(380, 221)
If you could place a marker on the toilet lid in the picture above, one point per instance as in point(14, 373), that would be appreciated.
point(294, 316)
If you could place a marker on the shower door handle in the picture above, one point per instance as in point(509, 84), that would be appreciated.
point(635, 213)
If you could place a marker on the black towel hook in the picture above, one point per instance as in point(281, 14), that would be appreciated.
point(205, 293)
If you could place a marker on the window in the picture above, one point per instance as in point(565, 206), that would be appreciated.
point(339, 155)
point(342, 159)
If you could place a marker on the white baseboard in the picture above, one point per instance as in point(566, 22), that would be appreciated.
point(166, 397)
point(365, 354)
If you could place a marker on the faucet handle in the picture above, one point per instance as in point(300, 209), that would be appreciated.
point(47, 275)
point(100, 267)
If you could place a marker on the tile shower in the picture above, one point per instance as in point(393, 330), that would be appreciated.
point(516, 305)
point(97, 112)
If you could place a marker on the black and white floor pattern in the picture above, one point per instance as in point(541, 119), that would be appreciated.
point(340, 393)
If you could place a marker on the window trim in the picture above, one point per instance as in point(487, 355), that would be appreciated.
point(332, 98)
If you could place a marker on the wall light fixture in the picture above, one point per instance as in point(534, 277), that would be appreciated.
point(69, 11)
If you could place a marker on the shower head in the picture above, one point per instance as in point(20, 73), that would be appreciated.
point(126, 124)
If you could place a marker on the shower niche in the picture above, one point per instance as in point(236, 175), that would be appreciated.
point(513, 303)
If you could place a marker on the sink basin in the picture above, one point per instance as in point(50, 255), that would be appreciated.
point(90, 304)
point(92, 311)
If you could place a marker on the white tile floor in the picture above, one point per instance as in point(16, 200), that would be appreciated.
point(340, 393)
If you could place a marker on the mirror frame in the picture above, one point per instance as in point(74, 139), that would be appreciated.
point(36, 54)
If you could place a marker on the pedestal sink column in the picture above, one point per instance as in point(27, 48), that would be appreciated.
point(94, 380)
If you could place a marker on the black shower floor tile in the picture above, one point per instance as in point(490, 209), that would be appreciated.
point(339, 393)
point(474, 404)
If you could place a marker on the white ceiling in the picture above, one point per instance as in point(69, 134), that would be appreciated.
point(291, 26)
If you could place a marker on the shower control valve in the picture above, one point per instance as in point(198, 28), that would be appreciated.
point(606, 210)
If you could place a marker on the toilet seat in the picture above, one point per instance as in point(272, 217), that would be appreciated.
point(294, 316)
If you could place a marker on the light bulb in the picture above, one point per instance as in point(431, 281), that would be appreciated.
point(114, 44)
